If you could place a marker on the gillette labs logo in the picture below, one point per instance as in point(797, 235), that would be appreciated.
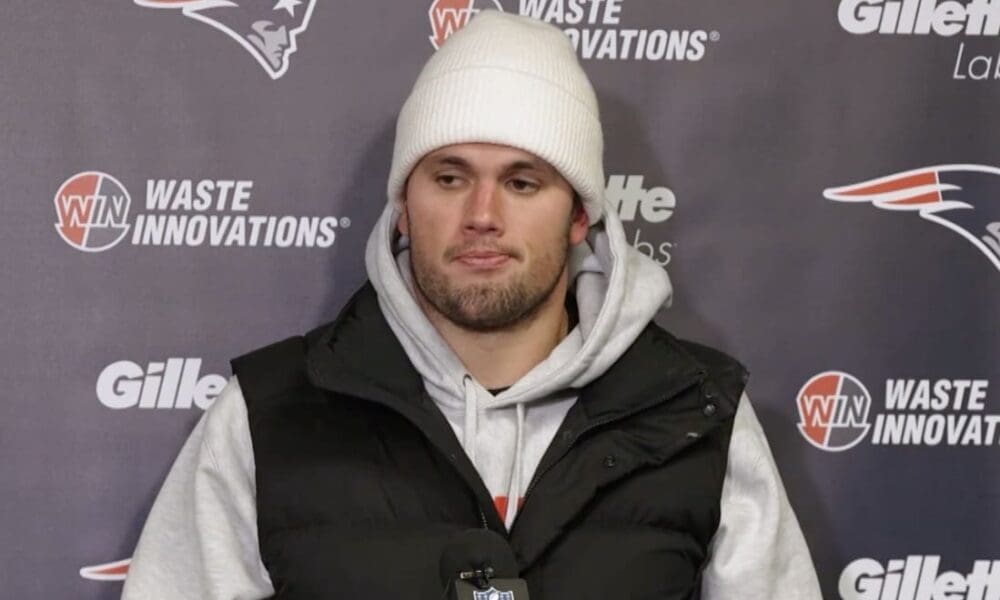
point(637, 205)
point(975, 19)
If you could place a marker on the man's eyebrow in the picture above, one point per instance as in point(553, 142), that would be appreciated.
point(450, 160)
point(537, 165)
point(518, 165)
point(529, 165)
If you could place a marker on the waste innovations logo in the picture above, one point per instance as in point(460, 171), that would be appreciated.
point(267, 29)
point(918, 578)
point(635, 205)
point(175, 383)
point(835, 413)
point(594, 27)
point(92, 211)
point(963, 198)
point(968, 20)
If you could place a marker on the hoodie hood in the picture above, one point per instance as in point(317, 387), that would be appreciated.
point(618, 291)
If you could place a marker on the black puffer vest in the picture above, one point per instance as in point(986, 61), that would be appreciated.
point(361, 481)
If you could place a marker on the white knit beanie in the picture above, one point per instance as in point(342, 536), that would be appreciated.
point(510, 80)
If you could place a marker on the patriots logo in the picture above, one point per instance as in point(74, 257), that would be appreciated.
point(112, 571)
point(267, 29)
point(963, 198)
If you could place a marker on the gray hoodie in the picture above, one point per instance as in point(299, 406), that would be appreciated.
point(200, 540)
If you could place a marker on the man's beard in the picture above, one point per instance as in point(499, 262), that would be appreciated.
point(489, 306)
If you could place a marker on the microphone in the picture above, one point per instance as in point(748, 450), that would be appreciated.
point(479, 564)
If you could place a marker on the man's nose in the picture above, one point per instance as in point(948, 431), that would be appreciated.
point(484, 209)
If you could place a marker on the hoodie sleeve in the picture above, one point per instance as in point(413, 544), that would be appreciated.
point(758, 552)
point(200, 539)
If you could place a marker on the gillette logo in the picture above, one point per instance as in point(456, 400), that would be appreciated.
point(174, 383)
point(918, 578)
point(920, 17)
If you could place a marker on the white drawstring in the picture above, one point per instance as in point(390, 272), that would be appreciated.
point(471, 418)
point(514, 492)
point(469, 442)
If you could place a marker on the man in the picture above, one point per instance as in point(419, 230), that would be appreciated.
point(501, 372)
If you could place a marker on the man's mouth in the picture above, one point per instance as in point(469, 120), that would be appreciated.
point(483, 259)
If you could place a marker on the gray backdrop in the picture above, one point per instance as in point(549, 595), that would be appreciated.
point(746, 116)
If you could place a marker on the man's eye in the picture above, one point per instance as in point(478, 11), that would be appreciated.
point(448, 181)
point(523, 185)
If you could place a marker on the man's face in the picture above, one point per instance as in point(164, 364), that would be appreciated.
point(490, 228)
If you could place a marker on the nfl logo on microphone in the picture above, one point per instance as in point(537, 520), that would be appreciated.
point(492, 594)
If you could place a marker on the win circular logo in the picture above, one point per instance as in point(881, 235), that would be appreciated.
point(448, 16)
point(833, 411)
point(92, 208)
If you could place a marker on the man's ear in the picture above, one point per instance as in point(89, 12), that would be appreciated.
point(403, 223)
point(579, 222)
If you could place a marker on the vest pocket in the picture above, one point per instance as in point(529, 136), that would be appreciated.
point(637, 563)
